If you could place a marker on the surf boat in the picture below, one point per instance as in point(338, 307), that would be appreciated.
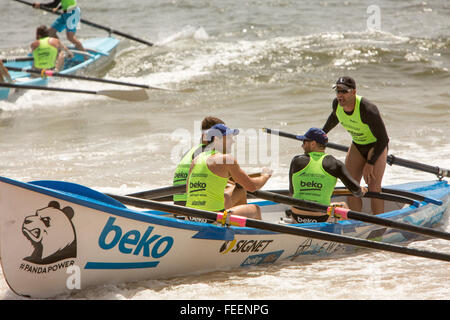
point(100, 52)
point(58, 237)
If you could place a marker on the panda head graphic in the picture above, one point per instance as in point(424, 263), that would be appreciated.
point(51, 233)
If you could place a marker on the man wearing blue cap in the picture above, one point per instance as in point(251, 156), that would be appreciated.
point(211, 170)
point(313, 176)
point(182, 170)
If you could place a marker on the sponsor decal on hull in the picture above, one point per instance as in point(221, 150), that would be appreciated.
point(131, 242)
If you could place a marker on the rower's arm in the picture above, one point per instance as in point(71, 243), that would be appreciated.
point(248, 183)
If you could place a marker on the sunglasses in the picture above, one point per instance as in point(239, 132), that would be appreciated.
point(343, 91)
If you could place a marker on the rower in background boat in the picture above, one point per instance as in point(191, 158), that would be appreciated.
point(48, 52)
point(68, 20)
point(4, 74)
point(210, 172)
point(313, 177)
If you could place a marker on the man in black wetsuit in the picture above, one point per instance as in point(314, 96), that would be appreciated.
point(313, 176)
point(368, 152)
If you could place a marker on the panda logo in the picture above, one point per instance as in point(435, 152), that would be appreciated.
point(51, 233)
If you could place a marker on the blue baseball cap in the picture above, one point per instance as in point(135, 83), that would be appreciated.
point(315, 134)
point(220, 130)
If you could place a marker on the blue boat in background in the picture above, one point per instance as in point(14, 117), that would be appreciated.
point(100, 52)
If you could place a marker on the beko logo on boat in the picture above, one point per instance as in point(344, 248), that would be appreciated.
point(132, 242)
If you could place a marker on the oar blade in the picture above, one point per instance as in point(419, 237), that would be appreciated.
point(126, 95)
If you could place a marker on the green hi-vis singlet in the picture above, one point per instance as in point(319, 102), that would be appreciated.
point(313, 183)
point(205, 189)
point(182, 171)
point(68, 4)
point(359, 131)
point(45, 55)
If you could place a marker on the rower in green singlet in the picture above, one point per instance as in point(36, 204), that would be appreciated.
point(313, 176)
point(211, 170)
point(48, 53)
point(368, 152)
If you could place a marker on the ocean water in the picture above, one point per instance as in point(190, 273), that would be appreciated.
point(253, 64)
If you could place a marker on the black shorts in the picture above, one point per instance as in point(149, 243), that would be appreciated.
point(301, 218)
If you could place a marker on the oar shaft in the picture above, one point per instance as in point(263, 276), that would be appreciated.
point(96, 25)
point(161, 192)
point(11, 85)
point(353, 215)
point(391, 159)
point(50, 73)
point(19, 59)
point(297, 231)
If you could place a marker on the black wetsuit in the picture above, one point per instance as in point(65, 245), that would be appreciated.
point(370, 116)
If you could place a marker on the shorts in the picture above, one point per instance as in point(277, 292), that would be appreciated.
point(69, 21)
point(306, 219)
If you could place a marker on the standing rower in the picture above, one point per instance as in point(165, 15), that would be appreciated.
point(368, 152)
point(69, 19)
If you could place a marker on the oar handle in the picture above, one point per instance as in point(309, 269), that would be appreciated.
point(391, 159)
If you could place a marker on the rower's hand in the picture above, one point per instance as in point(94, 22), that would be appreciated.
point(364, 190)
point(36, 5)
point(55, 10)
point(70, 54)
point(266, 172)
point(368, 173)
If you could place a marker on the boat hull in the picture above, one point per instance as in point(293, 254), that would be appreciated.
point(56, 238)
point(101, 50)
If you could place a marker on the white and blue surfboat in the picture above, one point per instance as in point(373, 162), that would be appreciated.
point(56, 237)
point(100, 52)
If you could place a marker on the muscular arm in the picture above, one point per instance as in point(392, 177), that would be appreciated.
point(371, 116)
point(336, 168)
point(241, 177)
point(298, 163)
point(332, 120)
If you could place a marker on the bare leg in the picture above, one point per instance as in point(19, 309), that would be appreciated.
point(251, 211)
point(375, 184)
point(354, 162)
point(72, 38)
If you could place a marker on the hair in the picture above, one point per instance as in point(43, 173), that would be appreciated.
point(209, 121)
point(42, 32)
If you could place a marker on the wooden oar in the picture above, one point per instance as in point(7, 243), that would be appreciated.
point(51, 73)
point(297, 231)
point(391, 159)
point(92, 24)
point(127, 95)
point(346, 213)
